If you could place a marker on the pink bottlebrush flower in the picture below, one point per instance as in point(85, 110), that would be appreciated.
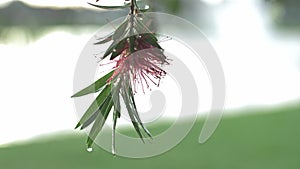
point(138, 62)
point(142, 66)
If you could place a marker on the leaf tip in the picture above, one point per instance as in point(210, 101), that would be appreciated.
point(75, 95)
point(89, 142)
point(78, 125)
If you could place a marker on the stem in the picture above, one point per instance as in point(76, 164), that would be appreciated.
point(131, 33)
point(132, 7)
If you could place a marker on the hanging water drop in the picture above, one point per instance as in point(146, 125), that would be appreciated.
point(113, 153)
point(89, 149)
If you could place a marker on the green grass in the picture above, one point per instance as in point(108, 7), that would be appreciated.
point(261, 139)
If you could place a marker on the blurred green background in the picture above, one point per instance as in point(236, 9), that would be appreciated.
point(257, 42)
point(262, 139)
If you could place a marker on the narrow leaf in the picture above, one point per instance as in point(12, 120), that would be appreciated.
point(132, 118)
point(118, 50)
point(104, 40)
point(110, 7)
point(113, 139)
point(95, 105)
point(101, 118)
point(121, 30)
point(90, 120)
point(130, 99)
point(135, 113)
point(112, 48)
point(151, 39)
point(95, 87)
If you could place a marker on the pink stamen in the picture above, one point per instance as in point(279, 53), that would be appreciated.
point(140, 68)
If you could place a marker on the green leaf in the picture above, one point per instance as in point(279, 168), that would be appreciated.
point(95, 105)
point(141, 28)
point(115, 118)
point(116, 113)
point(135, 113)
point(121, 30)
point(150, 36)
point(90, 120)
point(104, 40)
point(129, 100)
point(118, 50)
point(95, 115)
point(151, 39)
point(131, 115)
point(110, 50)
point(118, 43)
point(113, 47)
point(146, 34)
point(116, 97)
point(110, 7)
point(95, 87)
point(116, 100)
point(99, 123)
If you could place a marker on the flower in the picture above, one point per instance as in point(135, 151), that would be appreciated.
point(142, 66)
point(138, 60)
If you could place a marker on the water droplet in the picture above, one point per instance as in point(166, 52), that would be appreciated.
point(89, 149)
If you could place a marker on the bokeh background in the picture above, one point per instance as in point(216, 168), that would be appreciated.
point(257, 42)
